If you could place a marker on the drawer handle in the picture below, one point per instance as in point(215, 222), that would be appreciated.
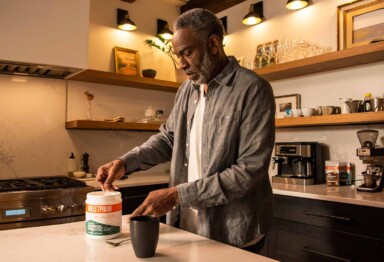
point(305, 212)
point(325, 255)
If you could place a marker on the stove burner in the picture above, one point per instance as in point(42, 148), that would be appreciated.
point(39, 183)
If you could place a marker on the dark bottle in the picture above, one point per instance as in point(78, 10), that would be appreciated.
point(84, 162)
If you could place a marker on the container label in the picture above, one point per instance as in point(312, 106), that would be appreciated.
point(99, 229)
point(103, 208)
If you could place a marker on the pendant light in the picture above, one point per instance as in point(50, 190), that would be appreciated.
point(296, 4)
point(163, 30)
point(124, 22)
point(255, 14)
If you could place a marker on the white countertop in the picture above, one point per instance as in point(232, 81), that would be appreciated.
point(342, 194)
point(136, 179)
point(68, 242)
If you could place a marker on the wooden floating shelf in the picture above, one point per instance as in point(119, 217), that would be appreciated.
point(359, 55)
point(108, 78)
point(105, 125)
point(332, 120)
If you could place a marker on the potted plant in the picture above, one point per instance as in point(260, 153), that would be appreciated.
point(165, 47)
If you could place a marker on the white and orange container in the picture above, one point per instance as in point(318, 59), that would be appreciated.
point(338, 173)
point(103, 214)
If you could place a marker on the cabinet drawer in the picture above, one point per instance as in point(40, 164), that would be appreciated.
point(361, 220)
point(290, 241)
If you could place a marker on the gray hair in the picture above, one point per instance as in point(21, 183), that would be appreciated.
point(203, 22)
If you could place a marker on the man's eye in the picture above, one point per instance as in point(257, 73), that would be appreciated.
point(187, 52)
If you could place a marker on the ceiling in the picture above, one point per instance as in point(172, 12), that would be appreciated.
point(214, 6)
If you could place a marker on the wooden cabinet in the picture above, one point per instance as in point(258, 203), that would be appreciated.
point(315, 230)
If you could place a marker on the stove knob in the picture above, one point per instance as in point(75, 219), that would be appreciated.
point(62, 208)
point(48, 209)
point(75, 206)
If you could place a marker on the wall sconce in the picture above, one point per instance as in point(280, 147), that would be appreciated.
point(255, 14)
point(163, 30)
point(225, 24)
point(124, 22)
point(296, 4)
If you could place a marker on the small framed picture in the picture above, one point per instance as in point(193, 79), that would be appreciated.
point(126, 61)
point(360, 23)
point(285, 103)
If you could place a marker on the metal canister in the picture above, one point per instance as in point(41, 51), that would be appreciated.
point(377, 104)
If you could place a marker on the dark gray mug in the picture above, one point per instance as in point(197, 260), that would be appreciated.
point(144, 231)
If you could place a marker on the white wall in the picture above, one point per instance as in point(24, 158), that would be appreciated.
point(45, 31)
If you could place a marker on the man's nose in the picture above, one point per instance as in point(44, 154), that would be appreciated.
point(183, 63)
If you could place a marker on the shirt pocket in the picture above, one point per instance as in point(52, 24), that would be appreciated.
point(225, 130)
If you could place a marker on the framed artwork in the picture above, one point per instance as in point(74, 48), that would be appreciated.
point(126, 61)
point(287, 102)
point(360, 23)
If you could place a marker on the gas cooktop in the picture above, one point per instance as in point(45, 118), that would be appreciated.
point(39, 183)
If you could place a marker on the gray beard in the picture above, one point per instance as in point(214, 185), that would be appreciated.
point(206, 71)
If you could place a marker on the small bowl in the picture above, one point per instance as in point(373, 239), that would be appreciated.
point(79, 174)
point(150, 73)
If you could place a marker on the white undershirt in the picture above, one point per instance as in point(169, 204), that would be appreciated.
point(194, 167)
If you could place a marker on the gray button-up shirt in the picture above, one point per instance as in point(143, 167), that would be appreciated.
point(234, 197)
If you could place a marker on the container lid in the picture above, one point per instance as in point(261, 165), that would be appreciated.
point(104, 197)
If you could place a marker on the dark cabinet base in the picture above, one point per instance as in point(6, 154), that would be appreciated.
point(315, 230)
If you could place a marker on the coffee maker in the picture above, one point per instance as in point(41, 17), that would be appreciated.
point(374, 158)
point(299, 163)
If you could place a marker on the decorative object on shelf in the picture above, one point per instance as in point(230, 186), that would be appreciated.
point(360, 23)
point(266, 54)
point(255, 14)
point(89, 97)
point(150, 113)
point(84, 162)
point(296, 4)
point(150, 73)
point(124, 22)
point(115, 119)
point(287, 102)
point(163, 30)
point(164, 46)
point(126, 61)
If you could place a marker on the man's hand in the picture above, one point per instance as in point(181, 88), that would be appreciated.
point(108, 173)
point(158, 202)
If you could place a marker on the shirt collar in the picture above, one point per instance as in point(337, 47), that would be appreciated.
point(225, 76)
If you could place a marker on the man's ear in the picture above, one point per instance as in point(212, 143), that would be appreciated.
point(214, 44)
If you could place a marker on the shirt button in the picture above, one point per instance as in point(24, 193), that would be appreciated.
point(195, 101)
point(185, 164)
point(187, 144)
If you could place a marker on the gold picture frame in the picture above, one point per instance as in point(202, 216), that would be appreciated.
point(127, 61)
point(360, 23)
point(286, 102)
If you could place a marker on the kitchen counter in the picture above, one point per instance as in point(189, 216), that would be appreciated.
point(136, 179)
point(342, 194)
point(68, 242)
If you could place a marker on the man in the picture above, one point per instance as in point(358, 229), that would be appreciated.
point(219, 138)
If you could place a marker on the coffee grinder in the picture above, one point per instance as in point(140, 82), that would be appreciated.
point(299, 163)
point(373, 157)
